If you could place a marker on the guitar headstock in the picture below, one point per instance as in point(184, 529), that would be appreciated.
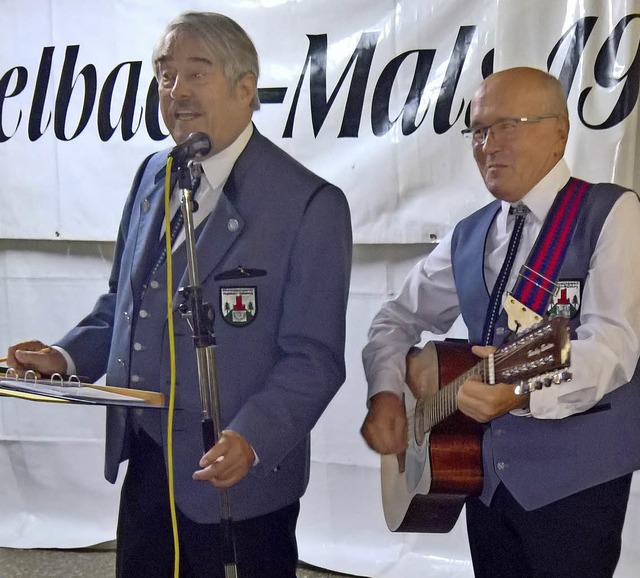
point(536, 358)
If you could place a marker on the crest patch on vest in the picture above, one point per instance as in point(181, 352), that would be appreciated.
point(238, 305)
point(566, 301)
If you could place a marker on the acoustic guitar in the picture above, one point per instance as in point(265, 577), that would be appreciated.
point(424, 489)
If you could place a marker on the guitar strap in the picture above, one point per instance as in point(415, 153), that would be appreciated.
point(527, 303)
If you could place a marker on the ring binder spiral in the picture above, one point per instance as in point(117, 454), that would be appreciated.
point(70, 389)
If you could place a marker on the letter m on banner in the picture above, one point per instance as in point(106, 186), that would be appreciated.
point(316, 63)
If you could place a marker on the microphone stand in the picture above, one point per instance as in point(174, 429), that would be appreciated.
point(200, 317)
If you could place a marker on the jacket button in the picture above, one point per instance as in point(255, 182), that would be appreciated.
point(232, 225)
point(144, 313)
point(138, 346)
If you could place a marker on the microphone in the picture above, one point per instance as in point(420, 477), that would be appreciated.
point(197, 145)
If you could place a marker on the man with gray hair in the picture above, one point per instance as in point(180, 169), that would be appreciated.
point(274, 255)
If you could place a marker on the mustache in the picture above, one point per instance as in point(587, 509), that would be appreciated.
point(186, 107)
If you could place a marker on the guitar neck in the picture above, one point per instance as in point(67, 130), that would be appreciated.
point(534, 359)
point(445, 402)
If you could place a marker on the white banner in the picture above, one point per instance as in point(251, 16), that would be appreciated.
point(372, 95)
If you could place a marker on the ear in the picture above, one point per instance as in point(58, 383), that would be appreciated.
point(246, 88)
point(563, 128)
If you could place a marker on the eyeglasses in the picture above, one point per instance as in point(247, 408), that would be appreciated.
point(504, 129)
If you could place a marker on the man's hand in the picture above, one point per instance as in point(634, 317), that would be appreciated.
point(385, 427)
point(37, 356)
point(484, 402)
point(226, 463)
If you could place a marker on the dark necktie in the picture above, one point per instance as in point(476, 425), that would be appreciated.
point(174, 228)
point(520, 210)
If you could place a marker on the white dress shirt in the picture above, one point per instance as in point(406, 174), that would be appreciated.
point(608, 346)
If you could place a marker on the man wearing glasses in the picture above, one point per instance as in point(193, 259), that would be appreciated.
point(557, 463)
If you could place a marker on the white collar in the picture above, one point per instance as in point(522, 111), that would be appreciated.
point(540, 198)
point(218, 167)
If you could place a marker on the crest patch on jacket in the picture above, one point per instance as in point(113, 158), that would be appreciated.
point(238, 305)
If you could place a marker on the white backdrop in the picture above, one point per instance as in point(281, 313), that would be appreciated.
point(62, 200)
point(372, 94)
point(52, 493)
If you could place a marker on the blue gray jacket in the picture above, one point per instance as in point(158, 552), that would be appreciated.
point(277, 248)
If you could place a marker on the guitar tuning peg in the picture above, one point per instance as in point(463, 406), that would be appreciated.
point(547, 381)
point(562, 376)
point(521, 389)
point(537, 384)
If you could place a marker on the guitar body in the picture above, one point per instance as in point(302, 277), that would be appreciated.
point(424, 490)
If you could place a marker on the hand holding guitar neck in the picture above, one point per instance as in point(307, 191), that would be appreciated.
point(483, 402)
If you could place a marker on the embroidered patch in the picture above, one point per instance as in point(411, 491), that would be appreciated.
point(566, 301)
point(238, 305)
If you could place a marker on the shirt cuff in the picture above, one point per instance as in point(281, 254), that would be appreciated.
point(71, 366)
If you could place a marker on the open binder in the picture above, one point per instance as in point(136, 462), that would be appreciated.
point(70, 389)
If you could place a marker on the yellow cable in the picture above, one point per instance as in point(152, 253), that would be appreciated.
point(172, 364)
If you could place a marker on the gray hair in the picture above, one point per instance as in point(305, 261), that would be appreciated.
point(224, 37)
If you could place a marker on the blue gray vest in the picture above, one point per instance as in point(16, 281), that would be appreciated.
point(541, 461)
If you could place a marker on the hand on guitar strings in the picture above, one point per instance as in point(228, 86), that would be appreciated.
point(483, 402)
point(385, 427)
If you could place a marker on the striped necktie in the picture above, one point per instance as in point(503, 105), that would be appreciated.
point(174, 229)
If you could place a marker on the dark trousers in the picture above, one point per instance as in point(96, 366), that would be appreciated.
point(265, 546)
point(577, 537)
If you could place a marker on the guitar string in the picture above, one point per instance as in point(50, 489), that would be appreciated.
point(444, 402)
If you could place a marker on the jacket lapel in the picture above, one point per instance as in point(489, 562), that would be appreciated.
point(219, 232)
point(149, 226)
